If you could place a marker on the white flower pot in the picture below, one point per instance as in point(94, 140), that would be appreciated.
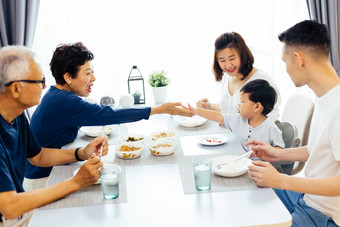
point(160, 94)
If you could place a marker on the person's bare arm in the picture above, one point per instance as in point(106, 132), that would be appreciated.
point(209, 114)
point(173, 108)
point(13, 204)
point(52, 157)
point(268, 153)
point(265, 175)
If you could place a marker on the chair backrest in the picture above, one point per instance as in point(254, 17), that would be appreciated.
point(289, 134)
point(298, 111)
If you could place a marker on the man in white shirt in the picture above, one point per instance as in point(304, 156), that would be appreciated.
point(315, 199)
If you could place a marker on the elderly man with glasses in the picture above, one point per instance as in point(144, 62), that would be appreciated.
point(21, 85)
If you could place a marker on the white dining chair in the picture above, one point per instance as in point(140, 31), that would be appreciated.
point(298, 111)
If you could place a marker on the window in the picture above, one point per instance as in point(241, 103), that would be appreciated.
point(175, 35)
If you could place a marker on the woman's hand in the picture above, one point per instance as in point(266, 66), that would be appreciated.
point(263, 150)
point(265, 175)
point(204, 103)
point(173, 108)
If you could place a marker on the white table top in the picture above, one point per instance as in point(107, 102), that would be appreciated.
point(155, 197)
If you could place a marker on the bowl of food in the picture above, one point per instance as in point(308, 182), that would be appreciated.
point(162, 147)
point(223, 167)
point(131, 139)
point(95, 131)
point(163, 134)
point(190, 122)
point(129, 152)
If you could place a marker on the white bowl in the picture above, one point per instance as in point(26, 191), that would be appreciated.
point(163, 134)
point(190, 122)
point(131, 139)
point(95, 131)
point(129, 154)
point(162, 147)
point(233, 169)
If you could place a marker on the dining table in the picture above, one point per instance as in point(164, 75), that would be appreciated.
point(160, 190)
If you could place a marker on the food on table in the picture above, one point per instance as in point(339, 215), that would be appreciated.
point(163, 135)
point(162, 146)
point(127, 148)
point(133, 139)
point(213, 140)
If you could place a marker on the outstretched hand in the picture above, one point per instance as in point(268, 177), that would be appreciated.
point(173, 108)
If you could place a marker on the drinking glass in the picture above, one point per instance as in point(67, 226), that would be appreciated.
point(109, 177)
point(202, 173)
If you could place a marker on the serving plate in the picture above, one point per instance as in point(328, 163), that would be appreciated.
point(213, 140)
point(234, 169)
point(95, 131)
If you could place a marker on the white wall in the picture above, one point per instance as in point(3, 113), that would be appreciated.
point(175, 35)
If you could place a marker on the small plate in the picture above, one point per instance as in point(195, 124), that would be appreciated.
point(95, 131)
point(190, 122)
point(233, 169)
point(105, 165)
point(213, 140)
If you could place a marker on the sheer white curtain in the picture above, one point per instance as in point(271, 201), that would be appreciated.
point(173, 35)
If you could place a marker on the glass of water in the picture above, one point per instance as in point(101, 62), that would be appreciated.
point(202, 173)
point(109, 177)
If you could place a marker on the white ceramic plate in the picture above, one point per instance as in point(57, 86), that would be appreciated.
point(190, 122)
point(213, 140)
point(106, 165)
point(95, 131)
point(233, 169)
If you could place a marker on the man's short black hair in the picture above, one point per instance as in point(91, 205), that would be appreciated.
point(261, 91)
point(310, 34)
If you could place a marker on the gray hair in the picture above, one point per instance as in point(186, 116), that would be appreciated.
point(14, 64)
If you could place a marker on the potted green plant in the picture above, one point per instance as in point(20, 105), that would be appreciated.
point(136, 95)
point(159, 82)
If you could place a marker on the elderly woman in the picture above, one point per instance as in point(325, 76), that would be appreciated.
point(62, 112)
point(233, 66)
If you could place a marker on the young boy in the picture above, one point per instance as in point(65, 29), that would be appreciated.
point(257, 100)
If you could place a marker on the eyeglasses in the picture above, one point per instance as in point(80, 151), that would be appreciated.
point(42, 82)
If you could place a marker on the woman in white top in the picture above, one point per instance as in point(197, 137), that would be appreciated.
point(233, 66)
